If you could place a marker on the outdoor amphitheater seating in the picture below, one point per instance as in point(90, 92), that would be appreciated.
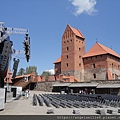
point(40, 100)
point(81, 100)
point(47, 101)
point(55, 104)
point(34, 100)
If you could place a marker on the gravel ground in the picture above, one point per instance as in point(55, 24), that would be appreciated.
point(25, 107)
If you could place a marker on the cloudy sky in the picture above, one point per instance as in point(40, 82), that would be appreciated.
point(98, 20)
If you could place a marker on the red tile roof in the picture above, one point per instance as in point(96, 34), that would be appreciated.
point(77, 32)
point(99, 49)
point(58, 60)
point(21, 76)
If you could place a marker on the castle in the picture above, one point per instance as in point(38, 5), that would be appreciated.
point(99, 63)
point(75, 70)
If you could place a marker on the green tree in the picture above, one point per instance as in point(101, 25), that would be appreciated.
point(31, 69)
point(21, 71)
point(46, 74)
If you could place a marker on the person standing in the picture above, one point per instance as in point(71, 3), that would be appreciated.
point(26, 94)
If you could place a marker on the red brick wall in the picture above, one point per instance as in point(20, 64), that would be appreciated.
point(97, 66)
point(103, 63)
point(113, 62)
point(99, 61)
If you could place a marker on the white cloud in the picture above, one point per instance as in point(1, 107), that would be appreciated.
point(84, 6)
point(51, 71)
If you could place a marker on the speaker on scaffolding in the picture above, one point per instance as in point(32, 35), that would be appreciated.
point(27, 47)
point(1, 82)
point(5, 55)
point(15, 67)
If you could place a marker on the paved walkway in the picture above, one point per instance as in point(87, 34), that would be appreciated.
point(25, 107)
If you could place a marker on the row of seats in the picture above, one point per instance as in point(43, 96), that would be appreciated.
point(40, 100)
point(34, 100)
point(78, 100)
point(70, 101)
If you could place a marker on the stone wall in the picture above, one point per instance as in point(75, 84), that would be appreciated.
point(115, 73)
point(76, 73)
point(100, 74)
point(45, 86)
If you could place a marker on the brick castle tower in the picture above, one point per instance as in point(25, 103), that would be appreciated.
point(73, 49)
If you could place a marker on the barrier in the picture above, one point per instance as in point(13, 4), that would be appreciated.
point(2, 98)
point(76, 111)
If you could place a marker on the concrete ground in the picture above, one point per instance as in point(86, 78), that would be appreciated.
point(25, 107)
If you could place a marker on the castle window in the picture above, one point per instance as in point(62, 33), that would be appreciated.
point(94, 66)
point(113, 76)
point(67, 56)
point(118, 66)
point(94, 75)
point(64, 42)
point(79, 56)
point(67, 48)
point(67, 64)
point(71, 40)
point(112, 65)
point(79, 64)
point(79, 49)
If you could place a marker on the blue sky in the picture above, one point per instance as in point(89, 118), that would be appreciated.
point(47, 20)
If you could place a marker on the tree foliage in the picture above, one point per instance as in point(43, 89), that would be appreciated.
point(31, 69)
point(21, 71)
point(28, 70)
point(46, 74)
